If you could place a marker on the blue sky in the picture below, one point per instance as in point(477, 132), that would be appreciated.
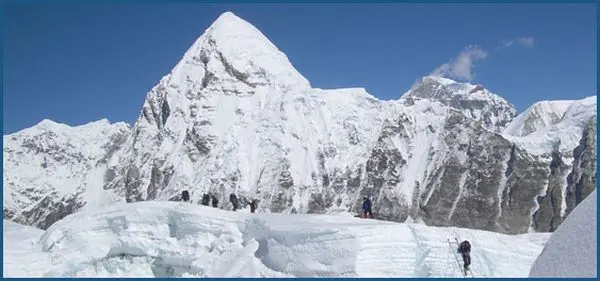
point(79, 63)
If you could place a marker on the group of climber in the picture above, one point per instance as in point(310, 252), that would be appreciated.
point(367, 212)
point(211, 199)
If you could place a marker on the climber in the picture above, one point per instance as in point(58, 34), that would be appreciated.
point(253, 205)
point(366, 208)
point(205, 199)
point(185, 196)
point(234, 201)
point(215, 201)
point(465, 250)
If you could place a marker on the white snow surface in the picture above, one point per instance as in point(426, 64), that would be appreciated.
point(571, 251)
point(20, 245)
point(153, 238)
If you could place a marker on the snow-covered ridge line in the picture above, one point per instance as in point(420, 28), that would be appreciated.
point(541, 131)
point(540, 115)
point(49, 125)
point(169, 239)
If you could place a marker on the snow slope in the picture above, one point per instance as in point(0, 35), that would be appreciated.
point(20, 248)
point(181, 239)
point(540, 115)
point(571, 251)
point(562, 135)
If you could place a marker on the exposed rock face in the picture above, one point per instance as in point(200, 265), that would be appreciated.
point(582, 179)
point(234, 116)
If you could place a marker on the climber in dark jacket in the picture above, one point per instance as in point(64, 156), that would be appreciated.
point(205, 199)
point(253, 205)
point(185, 196)
point(234, 201)
point(465, 250)
point(215, 201)
point(366, 207)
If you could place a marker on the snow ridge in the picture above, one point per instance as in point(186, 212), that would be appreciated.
point(540, 115)
point(562, 135)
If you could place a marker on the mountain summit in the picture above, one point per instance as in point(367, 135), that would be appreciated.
point(474, 101)
point(232, 51)
point(234, 116)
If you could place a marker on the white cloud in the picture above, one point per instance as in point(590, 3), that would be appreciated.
point(526, 41)
point(461, 68)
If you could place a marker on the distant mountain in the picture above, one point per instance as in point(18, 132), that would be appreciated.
point(539, 116)
point(234, 116)
point(473, 101)
point(51, 169)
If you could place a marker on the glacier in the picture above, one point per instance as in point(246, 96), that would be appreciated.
point(176, 239)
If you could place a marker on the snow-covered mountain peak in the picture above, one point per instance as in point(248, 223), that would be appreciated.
point(474, 101)
point(233, 50)
point(564, 134)
point(98, 128)
point(437, 79)
point(583, 106)
point(448, 89)
point(47, 124)
point(538, 116)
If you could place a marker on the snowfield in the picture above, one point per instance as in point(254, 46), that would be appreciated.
point(572, 249)
point(149, 239)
